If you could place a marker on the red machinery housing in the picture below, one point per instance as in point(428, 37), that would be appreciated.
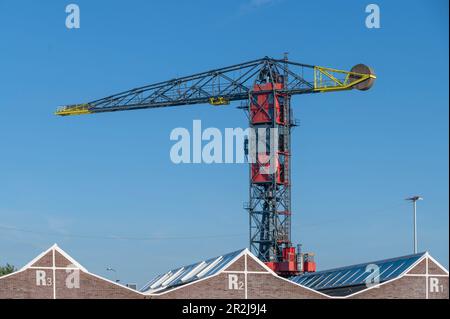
point(309, 265)
point(263, 109)
point(293, 263)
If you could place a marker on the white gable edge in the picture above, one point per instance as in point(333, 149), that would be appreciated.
point(437, 263)
point(35, 259)
point(267, 268)
point(69, 258)
point(73, 261)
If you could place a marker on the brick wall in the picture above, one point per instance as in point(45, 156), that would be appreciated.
point(268, 286)
point(26, 285)
point(55, 276)
point(425, 280)
point(245, 278)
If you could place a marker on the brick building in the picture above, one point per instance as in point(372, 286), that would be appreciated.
point(55, 275)
point(417, 276)
point(238, 275)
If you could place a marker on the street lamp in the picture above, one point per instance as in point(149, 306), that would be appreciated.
point(414, 199)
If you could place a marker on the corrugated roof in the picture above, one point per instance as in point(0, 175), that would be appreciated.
point(186, 274)
point(357, 275)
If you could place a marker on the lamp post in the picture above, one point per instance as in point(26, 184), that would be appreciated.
point(414, 200)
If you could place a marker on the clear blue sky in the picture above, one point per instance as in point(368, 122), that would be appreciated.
point(357, 155)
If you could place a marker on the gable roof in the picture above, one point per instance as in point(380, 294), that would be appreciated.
point(188, 274)
point(68, 260)
point(49, 251)
point(356, 275)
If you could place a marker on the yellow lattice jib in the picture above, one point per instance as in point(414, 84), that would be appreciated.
point(360, 77)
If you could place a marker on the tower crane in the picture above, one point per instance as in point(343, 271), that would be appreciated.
point(266, 85)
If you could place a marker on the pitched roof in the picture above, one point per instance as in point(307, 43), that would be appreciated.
point(49, 253)
point(358, 275)
point(50, 259)
point(187, 274)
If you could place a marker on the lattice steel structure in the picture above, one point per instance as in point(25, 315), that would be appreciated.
point(267, 85)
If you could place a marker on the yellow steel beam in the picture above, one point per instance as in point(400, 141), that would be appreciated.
point(77, 109)
point(218, 101)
